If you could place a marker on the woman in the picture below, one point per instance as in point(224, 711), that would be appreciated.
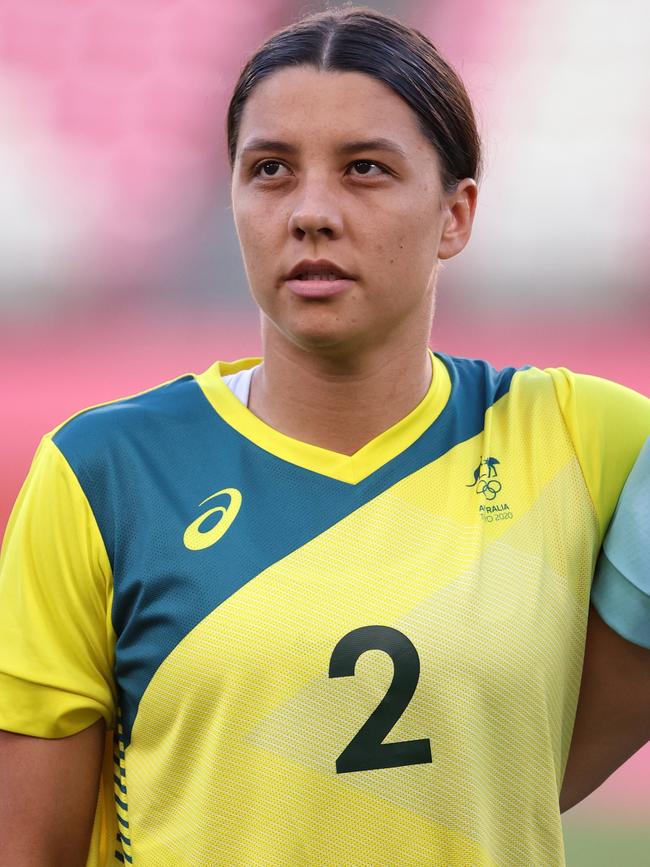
point(333, 602)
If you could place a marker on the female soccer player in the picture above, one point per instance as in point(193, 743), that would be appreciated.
point(330, 606)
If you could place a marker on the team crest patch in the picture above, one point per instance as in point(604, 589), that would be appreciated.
point(489, 487)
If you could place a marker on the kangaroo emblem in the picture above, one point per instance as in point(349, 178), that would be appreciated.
point(491, 464)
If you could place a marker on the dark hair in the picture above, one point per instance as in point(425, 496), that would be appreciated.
point(363, 40)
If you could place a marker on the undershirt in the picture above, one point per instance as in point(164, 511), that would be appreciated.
point(240, 383)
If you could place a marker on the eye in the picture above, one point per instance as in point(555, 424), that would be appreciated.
point(365, 168)
point(269, 169)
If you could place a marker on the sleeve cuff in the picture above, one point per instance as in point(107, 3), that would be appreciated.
point(620, 603)
point(45, 712)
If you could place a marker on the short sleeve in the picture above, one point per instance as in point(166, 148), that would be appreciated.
point(621, 586)
point(56, 637)
point(608, 424)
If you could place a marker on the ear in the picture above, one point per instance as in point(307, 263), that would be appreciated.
point(458, 207)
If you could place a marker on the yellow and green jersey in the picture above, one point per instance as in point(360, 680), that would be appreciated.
point(309, 658)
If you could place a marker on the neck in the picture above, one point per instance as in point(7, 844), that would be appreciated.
point(338, 403)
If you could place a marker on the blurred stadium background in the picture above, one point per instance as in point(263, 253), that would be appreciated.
point(119, 265)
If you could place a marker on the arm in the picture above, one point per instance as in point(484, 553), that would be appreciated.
point(48, 797)
point(613, 715)
point(56, 670)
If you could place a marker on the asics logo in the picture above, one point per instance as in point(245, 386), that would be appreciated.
point(196, 539)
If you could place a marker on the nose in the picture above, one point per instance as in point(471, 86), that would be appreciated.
point(316, 214)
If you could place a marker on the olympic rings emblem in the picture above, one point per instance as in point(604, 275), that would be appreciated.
point(489, 488)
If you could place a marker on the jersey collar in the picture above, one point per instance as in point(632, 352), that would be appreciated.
point(345, 468)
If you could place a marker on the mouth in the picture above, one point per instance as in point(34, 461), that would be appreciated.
point(318, 279)
point(319, 275)
point(319, 286)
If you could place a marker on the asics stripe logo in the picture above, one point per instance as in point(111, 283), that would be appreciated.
point(195, 539)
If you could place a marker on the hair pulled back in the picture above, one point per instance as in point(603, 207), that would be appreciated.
point(363, 40)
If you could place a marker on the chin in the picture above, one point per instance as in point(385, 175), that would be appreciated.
point(332, 342)
point(322, 330)
point(323, 341)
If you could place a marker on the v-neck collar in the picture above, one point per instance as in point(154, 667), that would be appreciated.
point(345, 468)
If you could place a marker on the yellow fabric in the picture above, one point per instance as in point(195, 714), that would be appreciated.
point(608, 424)
point(231, 757)
point(57, 647)
point(345, 468)
point(498, 618)
point(56, 590)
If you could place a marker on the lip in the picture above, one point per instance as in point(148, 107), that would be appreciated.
point(317, 265)
point(318, 288)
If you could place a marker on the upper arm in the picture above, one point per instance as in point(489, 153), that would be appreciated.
point(57, 692)
point(48, 796)
point(613, 716)
point(57, 648)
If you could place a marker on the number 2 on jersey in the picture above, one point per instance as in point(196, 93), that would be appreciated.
point(366, 751)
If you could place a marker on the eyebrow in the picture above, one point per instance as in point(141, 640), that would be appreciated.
point(283, 147)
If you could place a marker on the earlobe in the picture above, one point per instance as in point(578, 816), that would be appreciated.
point(461, 206)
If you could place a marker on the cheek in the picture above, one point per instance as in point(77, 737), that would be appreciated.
point(406, 253)
point(406, 235)
point(256, 238)
point(403, 256)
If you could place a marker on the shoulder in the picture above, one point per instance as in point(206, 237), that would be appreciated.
point(478, 373)
point(576, 394)
point(608, 424)
point(599, 411)
point(583, 392)
point(477, 382)
point(99, 429)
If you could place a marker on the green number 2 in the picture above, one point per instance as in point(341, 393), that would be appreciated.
point(366, 751)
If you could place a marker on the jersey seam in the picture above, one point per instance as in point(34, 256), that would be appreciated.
point(101, 536)
point(60, 427)
point(576, 452)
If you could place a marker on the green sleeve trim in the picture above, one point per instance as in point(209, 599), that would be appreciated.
point(621, 604)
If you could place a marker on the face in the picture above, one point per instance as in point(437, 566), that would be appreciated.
point(340, 210)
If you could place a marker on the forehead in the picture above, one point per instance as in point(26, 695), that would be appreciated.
point(303, 101)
